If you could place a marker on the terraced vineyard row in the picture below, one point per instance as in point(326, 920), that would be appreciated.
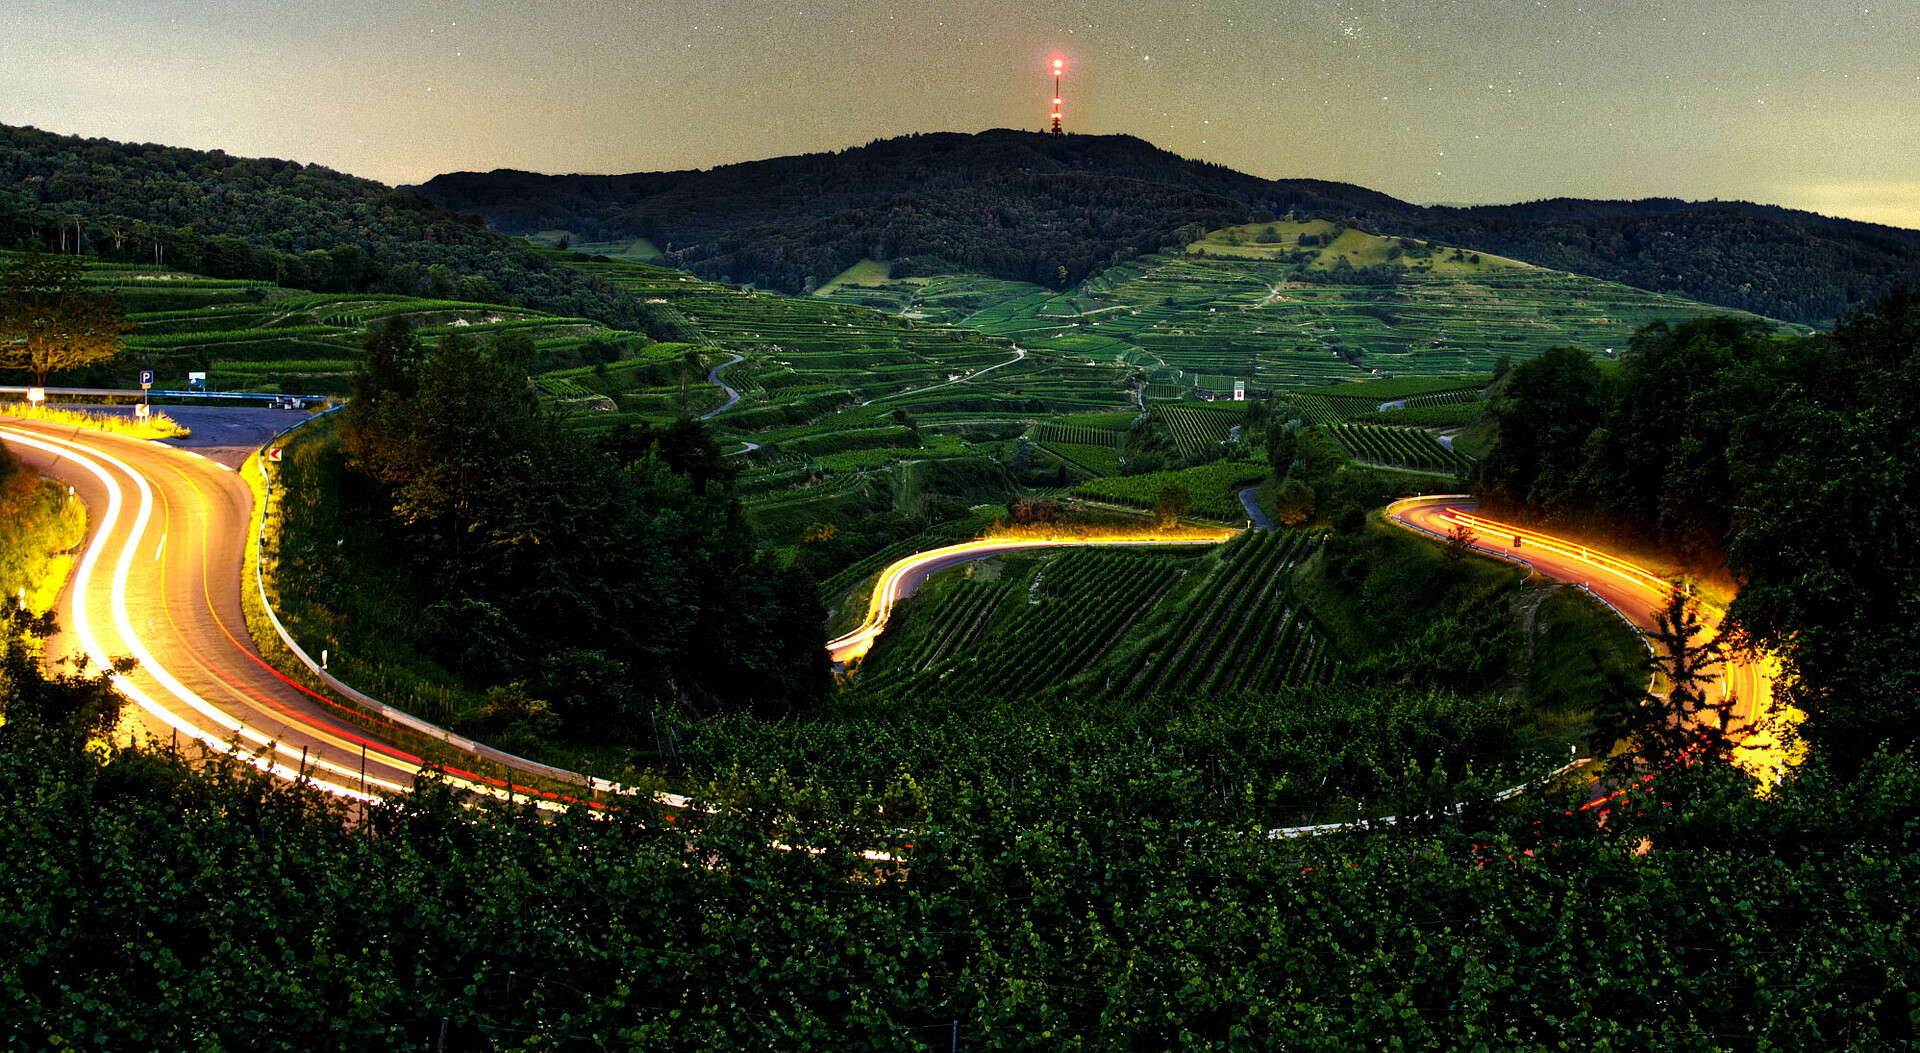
point(953, 626)
point(1064, 621)
point(252, 336)
point(1209, 486)
point(838, 344)
point(1443, 398)
point(1403, 447)
point(1447, 415)
point(1196, 430)
point(1049, 432)
point(1254, 318)
point(1244, 632)
point(1099, 460)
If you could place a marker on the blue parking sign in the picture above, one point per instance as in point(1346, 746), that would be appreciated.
point(146, 378)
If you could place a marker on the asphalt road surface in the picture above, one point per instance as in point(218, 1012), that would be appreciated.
point(713, 377)
point(160, 579)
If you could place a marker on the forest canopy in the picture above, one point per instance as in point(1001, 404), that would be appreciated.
point(604, 581)
point(1790, 459)
point(301, 226)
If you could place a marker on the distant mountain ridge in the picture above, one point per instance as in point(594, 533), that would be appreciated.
point(1026, 206)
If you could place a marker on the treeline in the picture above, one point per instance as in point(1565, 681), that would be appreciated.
point(300, 226)
point(1791, 459)
point(584, 586)
point(1773, 262)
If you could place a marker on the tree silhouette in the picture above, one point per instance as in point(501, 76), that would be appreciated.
point(51, 319)
point(1688, 724)
point(1460, 541)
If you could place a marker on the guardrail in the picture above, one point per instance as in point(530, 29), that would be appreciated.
point(134, 393)
point(1452, 809)
point(1625, 567)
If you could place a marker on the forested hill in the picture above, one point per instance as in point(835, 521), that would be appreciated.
point(1023, 205)
point(1771, 261)
point(702, 206)
point(1012, 204)
point(279, 221)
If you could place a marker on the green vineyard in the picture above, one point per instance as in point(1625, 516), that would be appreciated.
point(1196, 429)
point(1243, 631)
point(1127, 624)
point(1401, 447)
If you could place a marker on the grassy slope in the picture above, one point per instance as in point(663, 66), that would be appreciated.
point(43, 524)
point(255, 336)
point(1399, 585)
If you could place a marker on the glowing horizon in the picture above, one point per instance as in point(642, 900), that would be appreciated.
point(1787, 103)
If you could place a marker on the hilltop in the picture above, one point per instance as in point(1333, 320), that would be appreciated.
point(1023, 206)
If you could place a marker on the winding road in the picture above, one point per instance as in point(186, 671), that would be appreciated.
point(1018, 354)
point(160, 579)
point(713, 377)
point(1635, 593)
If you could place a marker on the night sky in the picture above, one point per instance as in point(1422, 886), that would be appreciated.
point(1805, 103)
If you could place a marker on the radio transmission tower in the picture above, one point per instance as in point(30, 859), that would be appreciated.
point(1059, 67)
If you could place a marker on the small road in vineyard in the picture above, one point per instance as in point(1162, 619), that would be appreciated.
point(1018, 354)
point(713, 377)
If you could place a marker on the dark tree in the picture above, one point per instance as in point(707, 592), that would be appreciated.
point(1827, 553)
point(52, 320)
point(1545, 411)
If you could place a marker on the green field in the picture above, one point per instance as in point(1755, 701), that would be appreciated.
point(883, 404)
point(1131, 624)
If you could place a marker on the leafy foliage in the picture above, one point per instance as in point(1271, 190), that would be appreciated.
point(52, 320)
point(158, 901)
point(609, 581)
point(42, 523)
point(1789, 459)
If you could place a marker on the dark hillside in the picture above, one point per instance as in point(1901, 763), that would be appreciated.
point(1021, 205)
point(688, 207)
point(1771, 261)
point(296, 225)
point(1051, 230)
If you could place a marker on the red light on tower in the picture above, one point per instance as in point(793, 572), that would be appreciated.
point(1059, 67)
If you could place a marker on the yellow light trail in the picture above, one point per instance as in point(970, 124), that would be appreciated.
point(896, 582)
point(214, 727)
point(96, 463)
point(1765, 750)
